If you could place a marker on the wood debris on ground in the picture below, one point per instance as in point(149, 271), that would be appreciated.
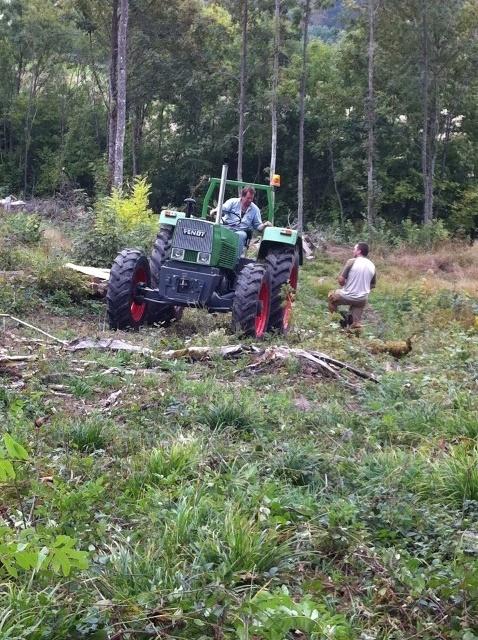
point(11, 203)
point(313, 362)
point(106, 344)
point(308, 247)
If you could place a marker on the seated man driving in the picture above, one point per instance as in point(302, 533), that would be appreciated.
point(242, 215)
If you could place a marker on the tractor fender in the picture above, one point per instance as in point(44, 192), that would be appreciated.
point(276, 237)
point(170, 217)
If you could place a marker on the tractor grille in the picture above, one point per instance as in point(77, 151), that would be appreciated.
point(193, 235)
point(228, 255)
point(190, 256)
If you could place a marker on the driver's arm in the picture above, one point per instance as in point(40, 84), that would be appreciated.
point(257, 222)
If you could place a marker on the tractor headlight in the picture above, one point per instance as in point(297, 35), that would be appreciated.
point(204, 258)
point(177, 254)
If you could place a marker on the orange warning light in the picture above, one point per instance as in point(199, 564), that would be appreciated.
point(275, 180)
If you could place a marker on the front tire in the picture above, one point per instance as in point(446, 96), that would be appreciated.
point(252, 301)
point(284, 269)
point(130, 269)
point(162, 246)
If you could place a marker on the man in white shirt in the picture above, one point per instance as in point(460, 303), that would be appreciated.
point(357, 278)
point(242, 215)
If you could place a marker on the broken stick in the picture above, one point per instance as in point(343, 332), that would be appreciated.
point(31, 326)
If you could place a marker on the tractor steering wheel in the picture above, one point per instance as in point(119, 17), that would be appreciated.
point(228, 211)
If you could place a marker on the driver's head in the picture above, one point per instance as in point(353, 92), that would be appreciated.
point(247, 196)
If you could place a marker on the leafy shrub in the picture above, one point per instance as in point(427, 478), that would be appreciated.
point(425, 236)
point(117, 221)
point(19, 232)
point(33, 552)
point(385, 234)
point(10, 257)
point(131, 211)
point(18, 298)
point(381, 233)
point(465, 211)
point(53, 277)
point(22, 228)
point(272, 616)
point(30, 550)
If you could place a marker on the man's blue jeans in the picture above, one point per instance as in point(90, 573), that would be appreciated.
point(242, 240)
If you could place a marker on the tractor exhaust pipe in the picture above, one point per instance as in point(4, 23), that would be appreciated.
point(222, 189)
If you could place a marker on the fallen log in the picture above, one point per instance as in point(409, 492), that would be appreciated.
point(94, 272)
point(98, 278)
point(6, 358)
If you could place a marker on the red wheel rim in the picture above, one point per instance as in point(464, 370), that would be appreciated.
point(264, 304)
point(138, 309)
point(292, 283)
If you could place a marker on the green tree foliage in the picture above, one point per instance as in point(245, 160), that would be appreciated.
point(182, 96)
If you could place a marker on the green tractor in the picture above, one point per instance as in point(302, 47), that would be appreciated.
point(196, 263)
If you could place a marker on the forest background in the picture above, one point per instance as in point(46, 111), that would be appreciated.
point(390, 103)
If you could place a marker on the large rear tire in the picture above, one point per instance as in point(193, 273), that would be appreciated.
point(129, 269)
point(162, 246)
point(284, 268)
point(252, 301)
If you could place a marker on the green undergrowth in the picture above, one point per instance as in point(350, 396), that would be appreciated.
point(212, 500)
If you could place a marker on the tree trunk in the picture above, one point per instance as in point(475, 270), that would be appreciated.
point(300, 179)
point(30, 116)
point(113, 113)
point(242, 89)
point(134, 159)
point(334, 178)
point(446, 142)
point(121, 84)
point(137, 138)
point(371, 203)
point(160, 127)
point(275, 84)
point(19, 74)
point(429, 129)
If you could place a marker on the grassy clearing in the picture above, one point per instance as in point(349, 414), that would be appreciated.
point(217, 502)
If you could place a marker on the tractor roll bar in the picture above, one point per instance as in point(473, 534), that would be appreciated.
point(214, 182)
point(222, 189)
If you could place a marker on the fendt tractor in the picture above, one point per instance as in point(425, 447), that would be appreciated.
point(196, 263)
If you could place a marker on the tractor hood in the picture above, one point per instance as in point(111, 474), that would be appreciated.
point(206, 243)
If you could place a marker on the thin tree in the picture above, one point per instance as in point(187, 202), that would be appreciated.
point(121, 101)
point(429, 119)
point(371, 191)
point(113, 94)
point(242, 89)
point(275, 84)
point(303, 81)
